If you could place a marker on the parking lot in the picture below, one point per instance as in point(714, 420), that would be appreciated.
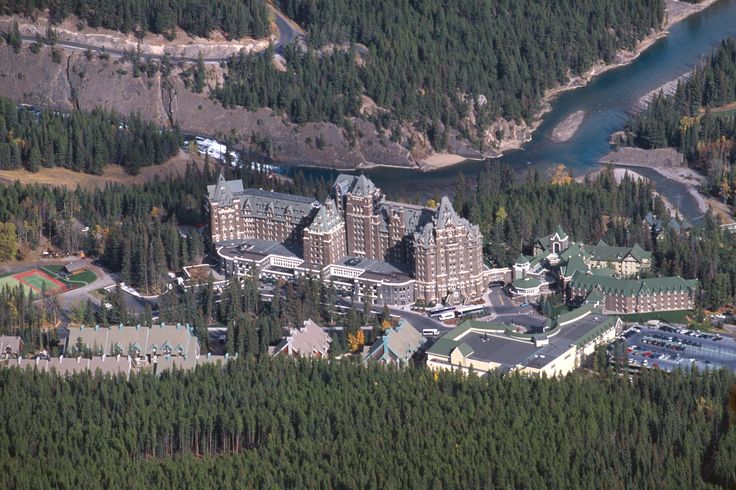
point(669, 348)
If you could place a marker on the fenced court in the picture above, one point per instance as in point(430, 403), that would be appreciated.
point(38, 280)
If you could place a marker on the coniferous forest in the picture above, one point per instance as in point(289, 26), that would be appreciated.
point(80, 141)
point(439, 64)
point(237, 18)
point(699, 119)
point(290, 424)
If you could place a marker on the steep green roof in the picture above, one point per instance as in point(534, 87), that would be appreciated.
point(602, 271)
point(606, 253)
point(574, 261)
point(442, 347)
point(631, 287)
point(465, 349)
point(560, 232)
point(575, 314)
point(523, 259)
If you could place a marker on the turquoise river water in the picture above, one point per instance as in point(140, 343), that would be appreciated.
point(607, 101)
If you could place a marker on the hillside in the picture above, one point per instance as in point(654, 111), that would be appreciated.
point(387, 86)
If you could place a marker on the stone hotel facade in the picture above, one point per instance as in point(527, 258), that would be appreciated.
point(439, 252)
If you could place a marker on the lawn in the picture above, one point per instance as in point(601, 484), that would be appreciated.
point(86, 277)
point(74, 281)
point(679, 316)
point(12, 282)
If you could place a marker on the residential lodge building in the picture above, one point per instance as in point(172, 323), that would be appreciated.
point(611, 272)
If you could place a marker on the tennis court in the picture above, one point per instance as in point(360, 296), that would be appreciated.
point(39, 280)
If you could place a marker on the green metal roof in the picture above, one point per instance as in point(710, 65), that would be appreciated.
point(527, 282)
point(465, 349)
point(606, 253)
point(600, 328)
point(631, 287)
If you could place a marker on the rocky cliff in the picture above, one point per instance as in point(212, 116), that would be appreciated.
point(75, 79)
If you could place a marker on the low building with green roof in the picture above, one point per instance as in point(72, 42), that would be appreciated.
point(562, 345)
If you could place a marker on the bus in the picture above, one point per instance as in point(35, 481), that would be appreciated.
point(470, 310)
point(446, 315)
point(439, 310)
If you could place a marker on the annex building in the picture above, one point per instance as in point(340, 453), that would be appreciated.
point(379, 250)
point(612, 273)
point(562, 346)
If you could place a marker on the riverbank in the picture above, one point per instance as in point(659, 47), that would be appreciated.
point(675, 11)
point(670, 165)
point(619, 174)
point(441, 160)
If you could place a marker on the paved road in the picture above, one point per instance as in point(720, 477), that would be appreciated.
point(418, 320)
point(76, 296)
point(288, 29)
point(288, 32)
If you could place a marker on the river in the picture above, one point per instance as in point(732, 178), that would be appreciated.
point(607, 101)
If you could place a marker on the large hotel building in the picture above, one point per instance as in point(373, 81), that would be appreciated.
point(378, 250)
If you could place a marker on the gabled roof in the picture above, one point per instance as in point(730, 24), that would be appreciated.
point(631, 287)
point(560, 233)
point(606, 253)
point(399, 343)
point(277, 205)
point(224, 190)
point(310, 340)
point(142, 338)
point(10, 344)
point(465, 349)
point(363, 186)
point(327, 218)
point(446, 214)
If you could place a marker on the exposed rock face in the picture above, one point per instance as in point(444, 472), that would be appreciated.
point(34, 78)
point(85, 81)
point(109, 84)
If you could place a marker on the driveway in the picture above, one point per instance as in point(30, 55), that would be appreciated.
point(76, 296)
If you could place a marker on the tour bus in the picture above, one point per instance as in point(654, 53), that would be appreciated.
point(470, 310)
point(446, 315)
point(439, 310)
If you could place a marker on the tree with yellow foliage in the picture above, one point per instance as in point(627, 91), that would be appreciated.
point(501, 214)
point(561, 175)
point(356, 340)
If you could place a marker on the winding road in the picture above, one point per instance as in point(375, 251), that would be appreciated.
point(288, 31)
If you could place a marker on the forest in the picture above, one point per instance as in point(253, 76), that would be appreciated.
point(443, 65)
point(236, 18)
point(81, 141)
point(298, 424)
point(140, 231)
point(513, 213)
point(699, 119)
point(314, 87)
